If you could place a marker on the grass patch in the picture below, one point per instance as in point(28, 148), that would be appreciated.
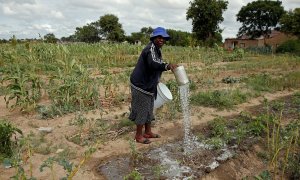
point(265, 82)
point(221, 99)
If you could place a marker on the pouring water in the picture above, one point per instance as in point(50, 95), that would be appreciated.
point(189, 141)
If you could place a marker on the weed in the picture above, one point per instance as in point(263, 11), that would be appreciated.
point(135, 155)
point(219, 128)
point(215, 142)
point(158, 171)
point(125, 123)
point(230, 80)
point(134, 175)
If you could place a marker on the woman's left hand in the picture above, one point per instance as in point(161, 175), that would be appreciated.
point(172, 66)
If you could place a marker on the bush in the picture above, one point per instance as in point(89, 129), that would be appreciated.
point(6, 132)
point(291, 46)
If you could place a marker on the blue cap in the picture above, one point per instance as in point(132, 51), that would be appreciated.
point(159, 31)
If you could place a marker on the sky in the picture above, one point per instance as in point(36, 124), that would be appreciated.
point(34, 18)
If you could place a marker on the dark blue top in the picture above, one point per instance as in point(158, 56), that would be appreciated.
point(148, 69)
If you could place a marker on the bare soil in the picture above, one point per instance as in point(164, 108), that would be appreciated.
point(116, 144)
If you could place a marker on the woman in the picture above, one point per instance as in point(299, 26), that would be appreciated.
point(144, 79)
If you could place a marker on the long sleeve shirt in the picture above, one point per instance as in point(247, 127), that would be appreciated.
point(148, 69)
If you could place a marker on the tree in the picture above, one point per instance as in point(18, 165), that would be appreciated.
point(206, 15)
point(88, 33)
point(290, 22)
point(259, 17)
point(110, 28)
point(143, 36)
point(50, 38)
point(179, 38)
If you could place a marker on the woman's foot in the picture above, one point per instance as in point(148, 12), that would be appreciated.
point(151, 135)
point(142, 140)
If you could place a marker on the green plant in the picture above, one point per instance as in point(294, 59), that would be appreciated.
point(24, 88)
point(265, 175)
point(218, 127)
point(72, 88)
point(6, 132)
point(49, 164)
point(135, 154)
point(290, 46)
point(222, 99)
point(215, 142)
point(134, 175)
point(158, 170)
point(230, 80)
point(22, 154)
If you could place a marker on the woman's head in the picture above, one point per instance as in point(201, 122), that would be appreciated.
point(159, 36)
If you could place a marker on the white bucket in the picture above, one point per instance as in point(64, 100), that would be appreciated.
point(164, 95)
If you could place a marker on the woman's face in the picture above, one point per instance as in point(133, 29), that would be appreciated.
point(159, 41)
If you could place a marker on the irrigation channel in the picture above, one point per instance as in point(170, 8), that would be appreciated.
point(186, 159)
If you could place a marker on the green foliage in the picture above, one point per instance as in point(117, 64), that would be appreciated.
point(215, 142)
point(206, 17)
point(290, 22)
point(257, 125)
point(290, 46)
point(71, 88)
point(49, 163)
point(126, 123)
point(142, 36)
point(230, 80)
point(50, 38)
point(237, 55)
point(23, 88)
point(264, 82)
point(293, 165)
point(50, 111)
point(218, 127)
point(179, 38)
point(88, 33)
point(260, 50)
point(265, 175)
point(45, 53)
point(6, 132)
point(259, 17)
point(220, 98)
point(14, 41)
point(111, 29)
point(134, 175)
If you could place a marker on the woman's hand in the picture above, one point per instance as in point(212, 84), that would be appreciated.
point(172, 66)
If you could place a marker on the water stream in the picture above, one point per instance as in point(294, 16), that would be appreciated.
point(190, 142)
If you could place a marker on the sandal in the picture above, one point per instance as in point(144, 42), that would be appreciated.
point(143, 141)
point(152, 135)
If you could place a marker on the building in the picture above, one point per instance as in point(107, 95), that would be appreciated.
point(273, 40)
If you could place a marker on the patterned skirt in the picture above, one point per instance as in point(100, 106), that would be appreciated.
point(142, 104)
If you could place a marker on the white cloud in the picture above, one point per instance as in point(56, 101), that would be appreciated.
point(44, 27)
point(27, 18)
point(8, 11)
point(56, 14)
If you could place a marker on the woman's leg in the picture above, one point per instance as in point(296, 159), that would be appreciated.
point(139, 135)
point(148, 131)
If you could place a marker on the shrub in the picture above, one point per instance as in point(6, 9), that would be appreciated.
point(291, 46)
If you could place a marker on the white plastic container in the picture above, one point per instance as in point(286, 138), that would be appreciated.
point(181, 76)
point(164, 95)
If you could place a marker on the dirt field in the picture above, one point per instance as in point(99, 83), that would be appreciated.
point(245, 164)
